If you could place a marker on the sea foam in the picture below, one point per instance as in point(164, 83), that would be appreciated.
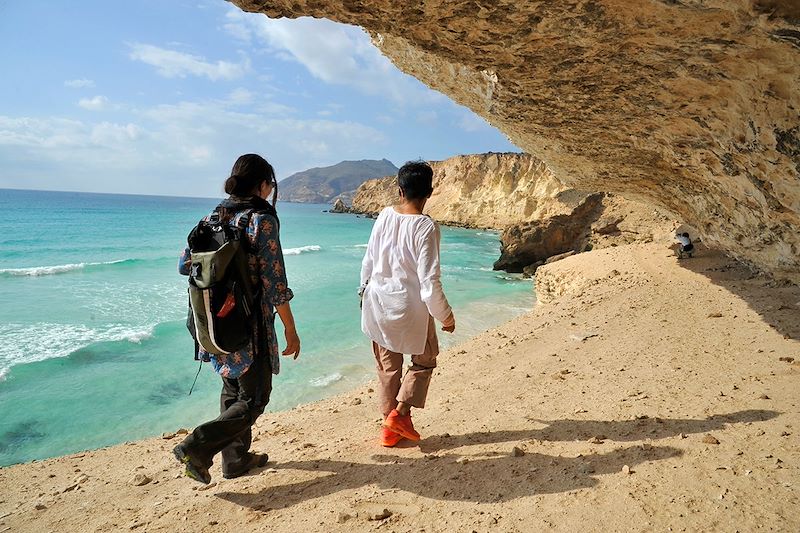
point(29, 343)
point(56, 269)
point(302, 250)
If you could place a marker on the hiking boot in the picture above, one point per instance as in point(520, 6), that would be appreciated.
point(389, 438)
point(401, 424)
point(194, 469)
point(254, 460)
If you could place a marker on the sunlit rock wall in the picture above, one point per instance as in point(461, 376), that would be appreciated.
point(691, 105)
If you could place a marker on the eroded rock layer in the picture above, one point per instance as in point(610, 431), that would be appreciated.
point(481, 190)
point(690, 105)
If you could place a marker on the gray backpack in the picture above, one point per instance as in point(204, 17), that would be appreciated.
point(222, 308)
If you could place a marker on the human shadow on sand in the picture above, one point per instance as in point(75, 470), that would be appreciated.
point(482, 478)
point(491, 476)
point(615, 430)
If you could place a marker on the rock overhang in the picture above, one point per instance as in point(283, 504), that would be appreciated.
point(689, 105)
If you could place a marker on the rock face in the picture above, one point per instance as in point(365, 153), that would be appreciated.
point(691, 105)
point(323, 185)
point(597, 221)
point(481, 190)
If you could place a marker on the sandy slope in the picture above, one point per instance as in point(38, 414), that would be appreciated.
point(672, 353)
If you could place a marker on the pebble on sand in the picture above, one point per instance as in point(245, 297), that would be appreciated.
point(382, 515)
point(517, 452)
point(141, 479)
point(710, 439)
point(626, 470)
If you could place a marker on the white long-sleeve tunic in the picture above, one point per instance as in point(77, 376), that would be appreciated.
point(401, 272)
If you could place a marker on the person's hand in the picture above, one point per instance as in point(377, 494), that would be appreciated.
point(292, 343)
point(450, 325)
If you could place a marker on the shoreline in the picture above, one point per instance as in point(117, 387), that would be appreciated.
point(605, 402)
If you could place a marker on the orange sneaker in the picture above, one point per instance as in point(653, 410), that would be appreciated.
point(389, 438)
point(401, 424)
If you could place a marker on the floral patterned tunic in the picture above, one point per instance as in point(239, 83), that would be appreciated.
point(267, 269)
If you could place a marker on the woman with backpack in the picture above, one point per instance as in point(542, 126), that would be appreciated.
point(246, 372)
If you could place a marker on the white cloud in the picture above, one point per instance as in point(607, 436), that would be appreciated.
point(174, 64)
point(237, 26)
point(336, 54)
point(98, 103)
point(240, 96)
point(79, 84)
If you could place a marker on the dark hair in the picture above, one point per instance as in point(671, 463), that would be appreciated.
point(415, 179)
point(247, 174)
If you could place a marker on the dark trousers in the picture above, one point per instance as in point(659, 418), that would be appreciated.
point(241, 402)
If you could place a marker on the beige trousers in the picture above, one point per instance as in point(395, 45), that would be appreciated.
point(412, 388)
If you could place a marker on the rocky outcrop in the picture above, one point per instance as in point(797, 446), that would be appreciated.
point(482, 190)
point(534, 242)
point(339, 207)
point(690, 105)
point(597, 221)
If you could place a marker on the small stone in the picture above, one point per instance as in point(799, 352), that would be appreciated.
point(763, 397)
point(141, 479)
point(356, 401)
point(40, 506)
point(715, 315)
point(684, 436)
point(596, 440)
point(462, 460)
point(83, 478)
point(382, 515)
point(343, 517)
point(786, 359)
point(785, 433)
point(271, 471)
point(710, 439)
point(626, 470)
point(167, 436)
point(182, 431)
point(368, 390)
point(517, 452)
point(209, 486)
point(69, 488)
point(557, 377)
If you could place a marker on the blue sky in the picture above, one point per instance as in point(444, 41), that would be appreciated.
point(160, 97)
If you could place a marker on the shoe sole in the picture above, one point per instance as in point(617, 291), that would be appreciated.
point(401, 431)
point(191, 470)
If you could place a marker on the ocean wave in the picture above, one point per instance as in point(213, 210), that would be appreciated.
point(324, 381)
point(29, 343)
point(302, 249)
point(360, 245)
point(59, 269)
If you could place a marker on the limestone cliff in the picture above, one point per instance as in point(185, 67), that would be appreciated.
point(691, 105)
point(481, 190)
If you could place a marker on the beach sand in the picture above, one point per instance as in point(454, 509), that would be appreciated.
point(645, 394)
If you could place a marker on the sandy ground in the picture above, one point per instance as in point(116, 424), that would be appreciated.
point(647, 395)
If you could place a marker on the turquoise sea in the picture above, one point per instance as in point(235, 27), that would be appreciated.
point(93, 346)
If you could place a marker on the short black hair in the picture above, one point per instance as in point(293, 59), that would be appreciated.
point(415, 179)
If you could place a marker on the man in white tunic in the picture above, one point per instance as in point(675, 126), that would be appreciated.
point(401, 297)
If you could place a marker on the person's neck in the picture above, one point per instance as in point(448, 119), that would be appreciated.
point(410, 207)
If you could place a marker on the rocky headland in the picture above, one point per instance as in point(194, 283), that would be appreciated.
point(323, 185)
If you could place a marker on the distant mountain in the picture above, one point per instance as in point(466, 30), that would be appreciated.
point(326, 184)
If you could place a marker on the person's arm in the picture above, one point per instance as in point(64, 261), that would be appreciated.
point(185, 263)
point(429, 273)
point(273, 280)
point(290, 331)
